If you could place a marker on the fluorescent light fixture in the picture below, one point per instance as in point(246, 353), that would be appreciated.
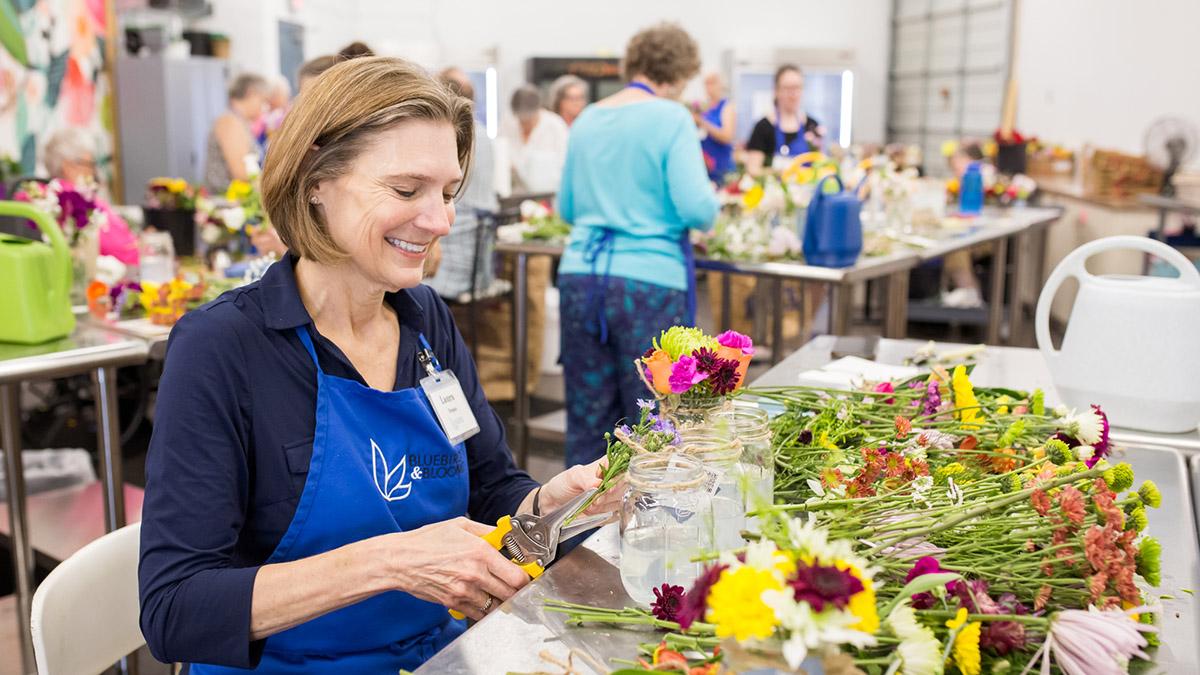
point(491, 96)
point(847, 108)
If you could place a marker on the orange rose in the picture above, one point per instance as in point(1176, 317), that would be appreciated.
point(96, 289)
point(659, 365)
point(743, 360)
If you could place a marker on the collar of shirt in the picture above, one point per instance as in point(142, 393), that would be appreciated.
point(284, 310)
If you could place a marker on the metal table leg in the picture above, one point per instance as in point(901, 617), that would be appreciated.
point(996, 297)
point(520, 358)
point(108, 437)
point(1021, 272)
point(895, 322)
point(776, 320)
point(726, 301)
point(840, 303)
point(18, 524)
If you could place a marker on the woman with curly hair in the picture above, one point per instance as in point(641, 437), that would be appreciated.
point(634, 183)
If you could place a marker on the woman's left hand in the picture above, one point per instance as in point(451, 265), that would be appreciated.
point(568, 484)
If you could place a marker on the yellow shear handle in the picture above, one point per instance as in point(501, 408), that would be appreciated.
point(496, 539)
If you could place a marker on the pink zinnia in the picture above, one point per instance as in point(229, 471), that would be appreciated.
point(736, 340)
point(886, 388)
point(684, 374)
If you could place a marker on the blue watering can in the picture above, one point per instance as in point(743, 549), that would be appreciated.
point(832, 228)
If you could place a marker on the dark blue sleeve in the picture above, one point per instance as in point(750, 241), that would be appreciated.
point(497, 485)
point(195, 605)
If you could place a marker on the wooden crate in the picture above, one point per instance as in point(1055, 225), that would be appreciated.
point(1108, 173)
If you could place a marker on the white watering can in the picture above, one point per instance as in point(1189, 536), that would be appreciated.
point(1132, 343)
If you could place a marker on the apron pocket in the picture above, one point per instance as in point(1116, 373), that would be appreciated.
point(298, 456)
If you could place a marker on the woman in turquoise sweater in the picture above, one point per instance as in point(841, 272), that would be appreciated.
point(633, 184)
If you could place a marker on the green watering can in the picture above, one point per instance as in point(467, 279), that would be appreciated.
point(35, 281)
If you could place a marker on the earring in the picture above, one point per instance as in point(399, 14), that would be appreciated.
point(314, 200)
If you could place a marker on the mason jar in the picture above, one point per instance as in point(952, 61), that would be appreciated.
point(750, 425)
point(691, 412)
point(664, 516)
point(721, 457)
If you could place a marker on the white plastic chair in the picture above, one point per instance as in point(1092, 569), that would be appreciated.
point(85, 613)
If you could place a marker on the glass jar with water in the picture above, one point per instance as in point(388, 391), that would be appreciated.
point(724, 480)
point(664, 523)
point(750, 425)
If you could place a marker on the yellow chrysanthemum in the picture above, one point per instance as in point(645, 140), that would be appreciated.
point(238, 190)
point(862, 603)
point(752, 197)
point(966, 643)
point(824, 442)
point(964, 397)
point(149, 295)
point(736, 606)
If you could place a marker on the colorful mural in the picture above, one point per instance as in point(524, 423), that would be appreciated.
point(53, 75)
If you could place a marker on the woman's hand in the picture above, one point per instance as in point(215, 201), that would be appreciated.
point(567, 485)
point(449, 563)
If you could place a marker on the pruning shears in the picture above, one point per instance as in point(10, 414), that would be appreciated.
point(531, 542)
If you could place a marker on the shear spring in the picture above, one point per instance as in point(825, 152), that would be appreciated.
point(514, 550)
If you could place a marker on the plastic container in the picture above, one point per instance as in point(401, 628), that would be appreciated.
point(970, 195)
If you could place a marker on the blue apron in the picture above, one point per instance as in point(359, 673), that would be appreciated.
point(799, 144)
point(602, 243)
point(718, 156)
point(380, 464)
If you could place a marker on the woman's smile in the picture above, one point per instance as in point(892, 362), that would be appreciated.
point(407, 248)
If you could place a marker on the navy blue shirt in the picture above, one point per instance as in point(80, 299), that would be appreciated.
point(232, 440)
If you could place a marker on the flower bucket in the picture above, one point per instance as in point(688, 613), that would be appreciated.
point(180, 223)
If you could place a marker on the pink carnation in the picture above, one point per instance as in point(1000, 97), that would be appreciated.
point(684, 374)
point(736, 340)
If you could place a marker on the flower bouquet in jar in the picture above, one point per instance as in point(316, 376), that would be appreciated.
point(692, 373)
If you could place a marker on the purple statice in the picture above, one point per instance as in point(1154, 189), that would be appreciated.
point(933, 399)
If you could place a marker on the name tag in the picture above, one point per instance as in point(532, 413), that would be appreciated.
point(450, 405)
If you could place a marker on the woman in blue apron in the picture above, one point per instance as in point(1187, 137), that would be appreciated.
point(777, 139)
point(324, 462)
point(718, 123)
point(633, 186)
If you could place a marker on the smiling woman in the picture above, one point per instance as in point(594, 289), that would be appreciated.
point(306, 508)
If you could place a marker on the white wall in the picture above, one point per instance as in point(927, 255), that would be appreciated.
point(1101, 71)
point(438, 33)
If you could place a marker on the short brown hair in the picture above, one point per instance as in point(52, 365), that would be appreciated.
point(328, 128)
point(315, 66)
point(784, 70)
point(245, 84)
point(663, 53)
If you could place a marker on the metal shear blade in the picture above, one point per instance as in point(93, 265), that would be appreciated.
point(536, 538)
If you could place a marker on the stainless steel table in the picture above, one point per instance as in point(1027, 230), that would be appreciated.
point(89, 349)
point(1026, 228)
point(894, 267)
point(512, 637)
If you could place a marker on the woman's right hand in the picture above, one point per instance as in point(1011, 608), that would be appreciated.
point(449, 563)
